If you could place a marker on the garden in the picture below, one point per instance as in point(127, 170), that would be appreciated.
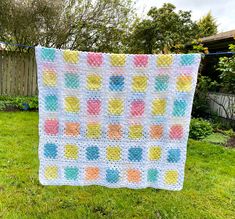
point(208, 189)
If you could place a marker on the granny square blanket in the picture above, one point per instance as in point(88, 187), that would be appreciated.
point(116, 120)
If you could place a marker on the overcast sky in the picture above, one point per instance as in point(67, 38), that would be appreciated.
point(222, 10)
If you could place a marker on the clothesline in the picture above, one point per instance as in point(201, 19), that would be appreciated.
point(26, 46)
point(19, 45)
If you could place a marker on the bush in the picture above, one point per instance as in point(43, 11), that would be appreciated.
point(200, 103)
point(8, 103)
point(200, 129)
point(226, 66)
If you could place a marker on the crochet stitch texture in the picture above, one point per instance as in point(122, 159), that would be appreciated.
point(117, 120)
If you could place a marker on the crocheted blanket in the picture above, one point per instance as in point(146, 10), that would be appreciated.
point(115, 120)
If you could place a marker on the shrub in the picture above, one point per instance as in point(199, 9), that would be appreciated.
point(200, 129)
point(200, 103)
point(226, 66)
point(27, 103)
point(8, 103)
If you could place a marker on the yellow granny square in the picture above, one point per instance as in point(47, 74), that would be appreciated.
point(94, 82)
point(71, 151)
point(49, 78)
point(158, 107)
point(72, 104)
point(164, 60)
point(93, 130)
point(155, 153)
point(71, 57)
point(139, 83)
point(51, 172)
point(135, 131)
point(184, 83)
point(171, 177)
point(115, 107)
point(113, 153)
point(118, 59)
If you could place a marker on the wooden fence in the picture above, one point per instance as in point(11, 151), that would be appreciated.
point(18, 74)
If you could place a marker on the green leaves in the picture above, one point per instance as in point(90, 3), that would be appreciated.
point(8, 103)
point(226, 66)
point(207, 26)
point(102, 25)
point(163, 31)
point(200, 129)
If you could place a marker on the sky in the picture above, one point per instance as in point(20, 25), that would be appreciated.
point(222, 10)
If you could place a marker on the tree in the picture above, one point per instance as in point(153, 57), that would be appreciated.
point(164, 30)
point(207, 26)
point(226, 66)
point(101, 25)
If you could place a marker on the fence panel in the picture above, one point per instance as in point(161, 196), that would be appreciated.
point(18, 74)
point(223, 105)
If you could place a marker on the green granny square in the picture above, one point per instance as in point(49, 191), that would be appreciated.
point(48, 54)
point(71, 80)
point(71, 173)
point(152, 175)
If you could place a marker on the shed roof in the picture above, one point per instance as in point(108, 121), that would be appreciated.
point(219, 36)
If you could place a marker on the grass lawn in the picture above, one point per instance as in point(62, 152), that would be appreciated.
point(217, 138)
point(208, 192)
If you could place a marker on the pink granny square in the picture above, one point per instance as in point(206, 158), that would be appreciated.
point(93, 107)
point(176, 132)
point(51, 126)
point(137, 108)
point(95, 59)
point(141, 60)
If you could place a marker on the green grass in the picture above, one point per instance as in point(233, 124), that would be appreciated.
point(208, 189)
point(217, 138)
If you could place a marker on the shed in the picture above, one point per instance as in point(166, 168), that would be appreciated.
point(219, 42)
point(218, 46)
